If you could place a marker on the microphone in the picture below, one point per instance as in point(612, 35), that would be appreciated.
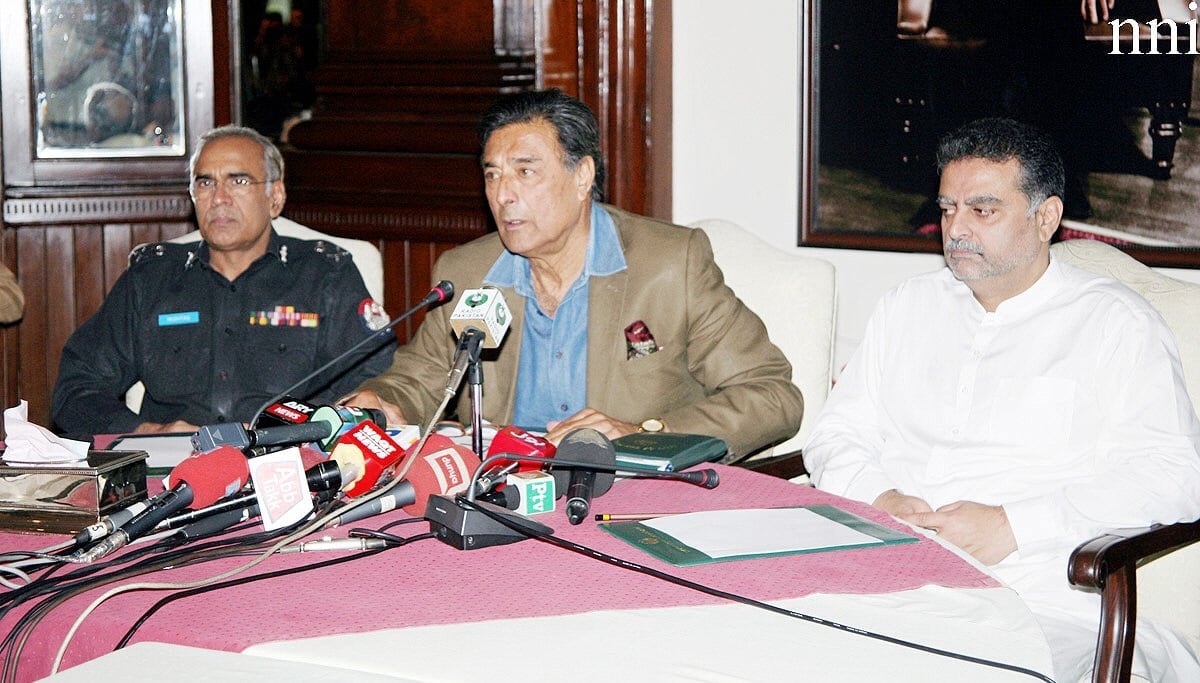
point(469, 343)
point(708, 478)
point(288, 411)
point(483, 309)
point(582, 483)
point(517, 441)
point(110, 523)
point(217, 522)
point(459, 523)
point(441, 293)
point(325, 476)
point(324, 427)
point(443, 467)
point(198, 481)
point(363, 454)
point(341, 419)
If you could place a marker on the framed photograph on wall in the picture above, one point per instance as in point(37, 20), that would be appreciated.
point(97, 88)
point(883, 81)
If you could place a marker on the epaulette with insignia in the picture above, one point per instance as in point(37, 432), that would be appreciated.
point(153, 250)
point(329, 250)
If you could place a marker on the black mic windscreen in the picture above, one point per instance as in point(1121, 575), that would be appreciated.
point(586, 445)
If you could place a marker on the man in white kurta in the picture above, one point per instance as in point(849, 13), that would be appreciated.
point(1016, 405)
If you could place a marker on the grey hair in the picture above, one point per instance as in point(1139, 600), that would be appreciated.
point(272, 158)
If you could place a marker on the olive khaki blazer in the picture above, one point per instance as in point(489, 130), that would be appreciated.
point(715, 372)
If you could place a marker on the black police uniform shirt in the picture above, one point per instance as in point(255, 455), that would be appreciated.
point(210, 350)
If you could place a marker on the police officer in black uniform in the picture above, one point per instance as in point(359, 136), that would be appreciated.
point(216, 328)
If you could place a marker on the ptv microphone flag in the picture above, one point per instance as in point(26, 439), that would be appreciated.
point(485, 310)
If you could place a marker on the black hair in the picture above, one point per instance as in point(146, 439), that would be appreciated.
point(578, 132)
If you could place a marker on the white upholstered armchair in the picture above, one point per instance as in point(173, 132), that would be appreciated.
point(1153, 572)
point(796, 298)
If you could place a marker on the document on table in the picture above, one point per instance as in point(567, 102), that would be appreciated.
point(164, 451)
point(720, 535)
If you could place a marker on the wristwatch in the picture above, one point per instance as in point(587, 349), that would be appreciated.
point(652, 425)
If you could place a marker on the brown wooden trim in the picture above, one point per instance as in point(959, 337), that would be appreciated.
point(95, 209)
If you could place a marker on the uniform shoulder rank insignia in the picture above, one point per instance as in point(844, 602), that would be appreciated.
point(330, 250)
point(373, 314)
point(150, 250)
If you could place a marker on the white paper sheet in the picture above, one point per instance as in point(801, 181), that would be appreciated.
point(731, 533)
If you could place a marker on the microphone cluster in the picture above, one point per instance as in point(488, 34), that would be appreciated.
point(445, 483)
point(583, 466)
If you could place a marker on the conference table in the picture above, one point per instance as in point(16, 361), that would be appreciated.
point(532, 610)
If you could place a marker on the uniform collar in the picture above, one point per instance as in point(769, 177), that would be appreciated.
point(276, 249)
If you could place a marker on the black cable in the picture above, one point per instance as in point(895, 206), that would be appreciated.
point(679, 581)
point(165, 553)
point(394, 542)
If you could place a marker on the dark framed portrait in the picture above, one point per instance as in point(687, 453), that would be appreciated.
point(881, 82)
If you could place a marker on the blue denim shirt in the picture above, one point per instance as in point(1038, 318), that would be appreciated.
point(552, 371)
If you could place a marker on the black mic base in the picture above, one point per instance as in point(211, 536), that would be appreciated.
point(454, 524)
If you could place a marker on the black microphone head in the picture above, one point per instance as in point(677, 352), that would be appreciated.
point(586, 445)
point(708, 478)
point(441, 292)
point(377, 416)
point(324, 476)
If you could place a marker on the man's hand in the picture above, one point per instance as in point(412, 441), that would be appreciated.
point(370, 399)
point(1095, 11)
point(981, 530)
point(591, 418)
point(899, 505)
point(159, 427)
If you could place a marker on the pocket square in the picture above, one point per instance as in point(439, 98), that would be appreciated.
point(639, 341)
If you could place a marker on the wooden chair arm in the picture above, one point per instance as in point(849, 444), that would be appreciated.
point(1109, 564)
point(784, 465)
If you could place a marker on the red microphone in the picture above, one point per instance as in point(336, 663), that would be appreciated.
point(442, 467)
point(516, 442)
point(198, 481)
point(363, 454)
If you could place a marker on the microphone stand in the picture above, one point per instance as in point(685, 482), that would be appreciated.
point(475, 381)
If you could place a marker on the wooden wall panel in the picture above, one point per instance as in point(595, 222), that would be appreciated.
point(389, 156)
point(65, 270)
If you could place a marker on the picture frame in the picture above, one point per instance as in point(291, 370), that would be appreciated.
point(880, 82)
point(158, 52)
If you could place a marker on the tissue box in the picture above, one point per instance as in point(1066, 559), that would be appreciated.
point(67, 499)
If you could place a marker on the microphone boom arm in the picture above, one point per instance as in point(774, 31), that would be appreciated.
point(443, 291)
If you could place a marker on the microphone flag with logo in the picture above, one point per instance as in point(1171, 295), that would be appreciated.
point(485, 310)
